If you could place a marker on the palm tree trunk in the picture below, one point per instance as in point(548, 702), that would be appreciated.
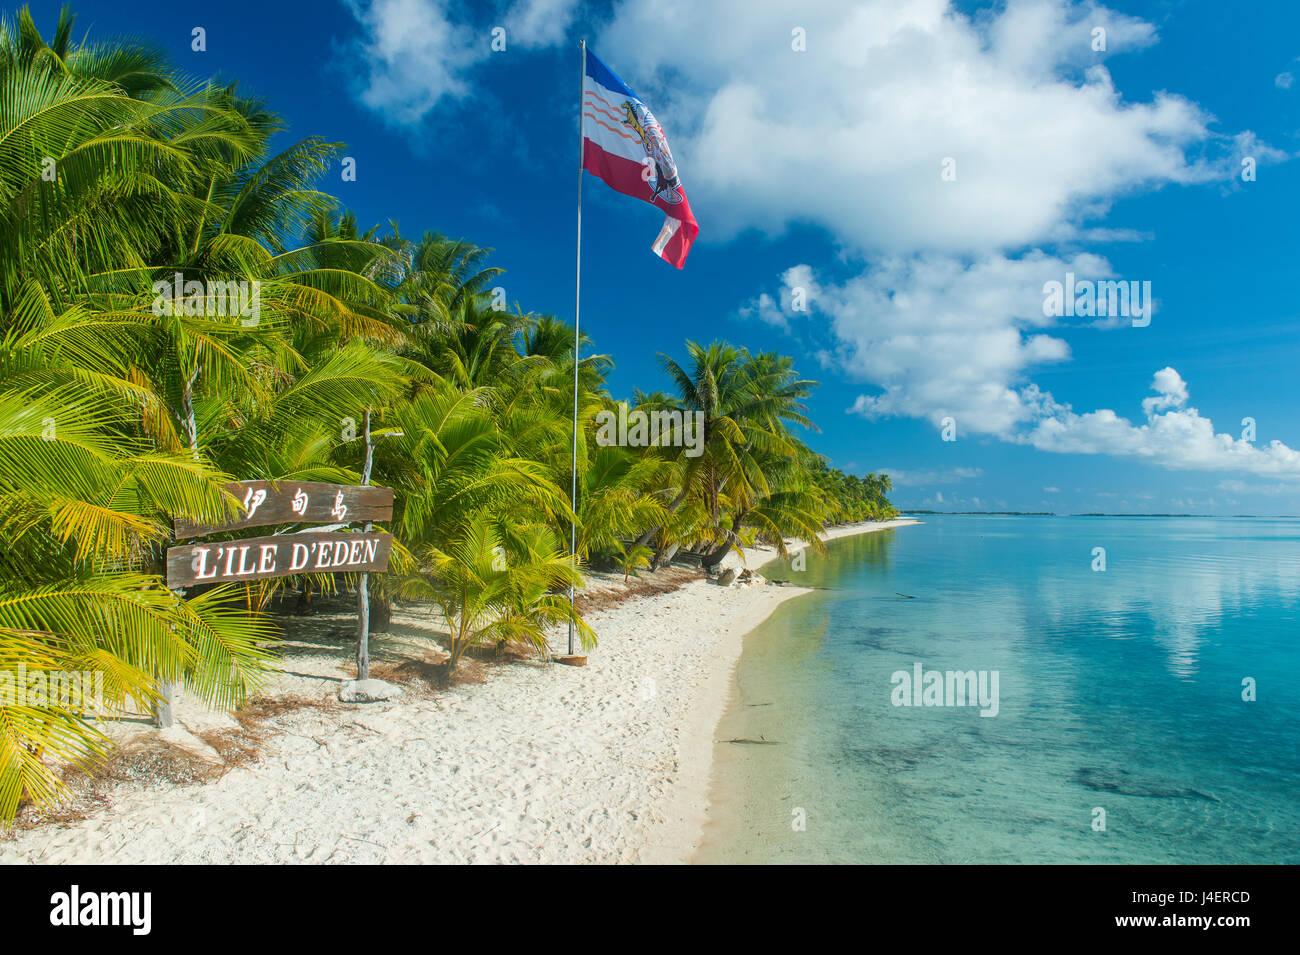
point(164, 717)
point(714, 559)
point(187, 416)
point(664, 557)
point(644, 539)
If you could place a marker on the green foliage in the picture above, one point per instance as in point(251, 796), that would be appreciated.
point(502, 585)
point(851, 498)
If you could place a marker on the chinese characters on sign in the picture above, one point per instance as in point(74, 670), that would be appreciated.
point(280, 555)
point(264, 503)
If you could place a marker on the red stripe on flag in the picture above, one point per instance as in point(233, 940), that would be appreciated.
point(624, 175)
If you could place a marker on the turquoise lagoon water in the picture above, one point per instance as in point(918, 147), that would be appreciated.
point(1119, 690)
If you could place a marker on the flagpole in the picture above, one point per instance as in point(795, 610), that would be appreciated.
point(577, 305)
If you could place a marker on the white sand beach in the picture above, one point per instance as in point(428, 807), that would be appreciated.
point(538, 762)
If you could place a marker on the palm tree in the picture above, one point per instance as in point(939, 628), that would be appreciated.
point(613, 497)
point(743, 404)
point(499, 588)
point(791, 507)
point(84, 510)
point(89, 189)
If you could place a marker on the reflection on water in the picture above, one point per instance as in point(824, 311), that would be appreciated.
point(1121, 691)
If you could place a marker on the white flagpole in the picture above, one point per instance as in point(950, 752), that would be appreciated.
point(577, 304)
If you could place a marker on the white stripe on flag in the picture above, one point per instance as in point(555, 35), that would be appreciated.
point(602, 122)
point(669, 230)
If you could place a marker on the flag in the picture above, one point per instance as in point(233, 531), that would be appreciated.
point(623, 144)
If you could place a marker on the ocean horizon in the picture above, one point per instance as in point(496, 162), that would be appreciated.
point(1146, 684)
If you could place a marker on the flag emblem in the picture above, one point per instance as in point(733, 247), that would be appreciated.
point(663, 179)
point(624, 145)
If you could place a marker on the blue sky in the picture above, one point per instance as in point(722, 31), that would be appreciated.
point(818, 173)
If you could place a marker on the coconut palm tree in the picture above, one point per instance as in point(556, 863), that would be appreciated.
point(744, 404)
point(88, 175)
point(85, 509)
point(613, 498)
point(791, 507)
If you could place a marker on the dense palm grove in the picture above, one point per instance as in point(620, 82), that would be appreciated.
point(371, 355)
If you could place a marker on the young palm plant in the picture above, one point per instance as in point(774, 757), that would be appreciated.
point(498, 586)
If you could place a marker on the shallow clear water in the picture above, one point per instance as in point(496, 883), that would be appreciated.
point(1118, 690)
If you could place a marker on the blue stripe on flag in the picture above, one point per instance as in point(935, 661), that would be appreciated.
point(606, 77)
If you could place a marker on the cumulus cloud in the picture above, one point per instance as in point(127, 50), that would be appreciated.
point(415, 55)
point(799, 290)
point(947, 319)
point(1170, 389)
point(538, 23)
point(939, 336)
point(1174, 435)
point(852, 133)
point(1234, 486)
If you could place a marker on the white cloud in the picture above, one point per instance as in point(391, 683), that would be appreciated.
point(947, 319)
point(850, 134)
point(939, 336)
point(538, 23)
point(798, 294)
point(1026, 27)
point(766, 309)
point(1174, 435)
point(1170, 389)
point(1234, 486)
point(1284, 80)
point(415, 55)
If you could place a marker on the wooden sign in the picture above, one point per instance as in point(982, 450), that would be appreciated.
point(289, 502)
point(256, 558)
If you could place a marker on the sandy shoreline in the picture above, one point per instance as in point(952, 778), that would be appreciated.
point(538, 763)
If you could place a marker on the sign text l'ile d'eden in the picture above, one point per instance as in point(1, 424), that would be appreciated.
point(282, 555)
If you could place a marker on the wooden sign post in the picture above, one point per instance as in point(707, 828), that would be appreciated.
point(363, 582)
point(324, 551)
